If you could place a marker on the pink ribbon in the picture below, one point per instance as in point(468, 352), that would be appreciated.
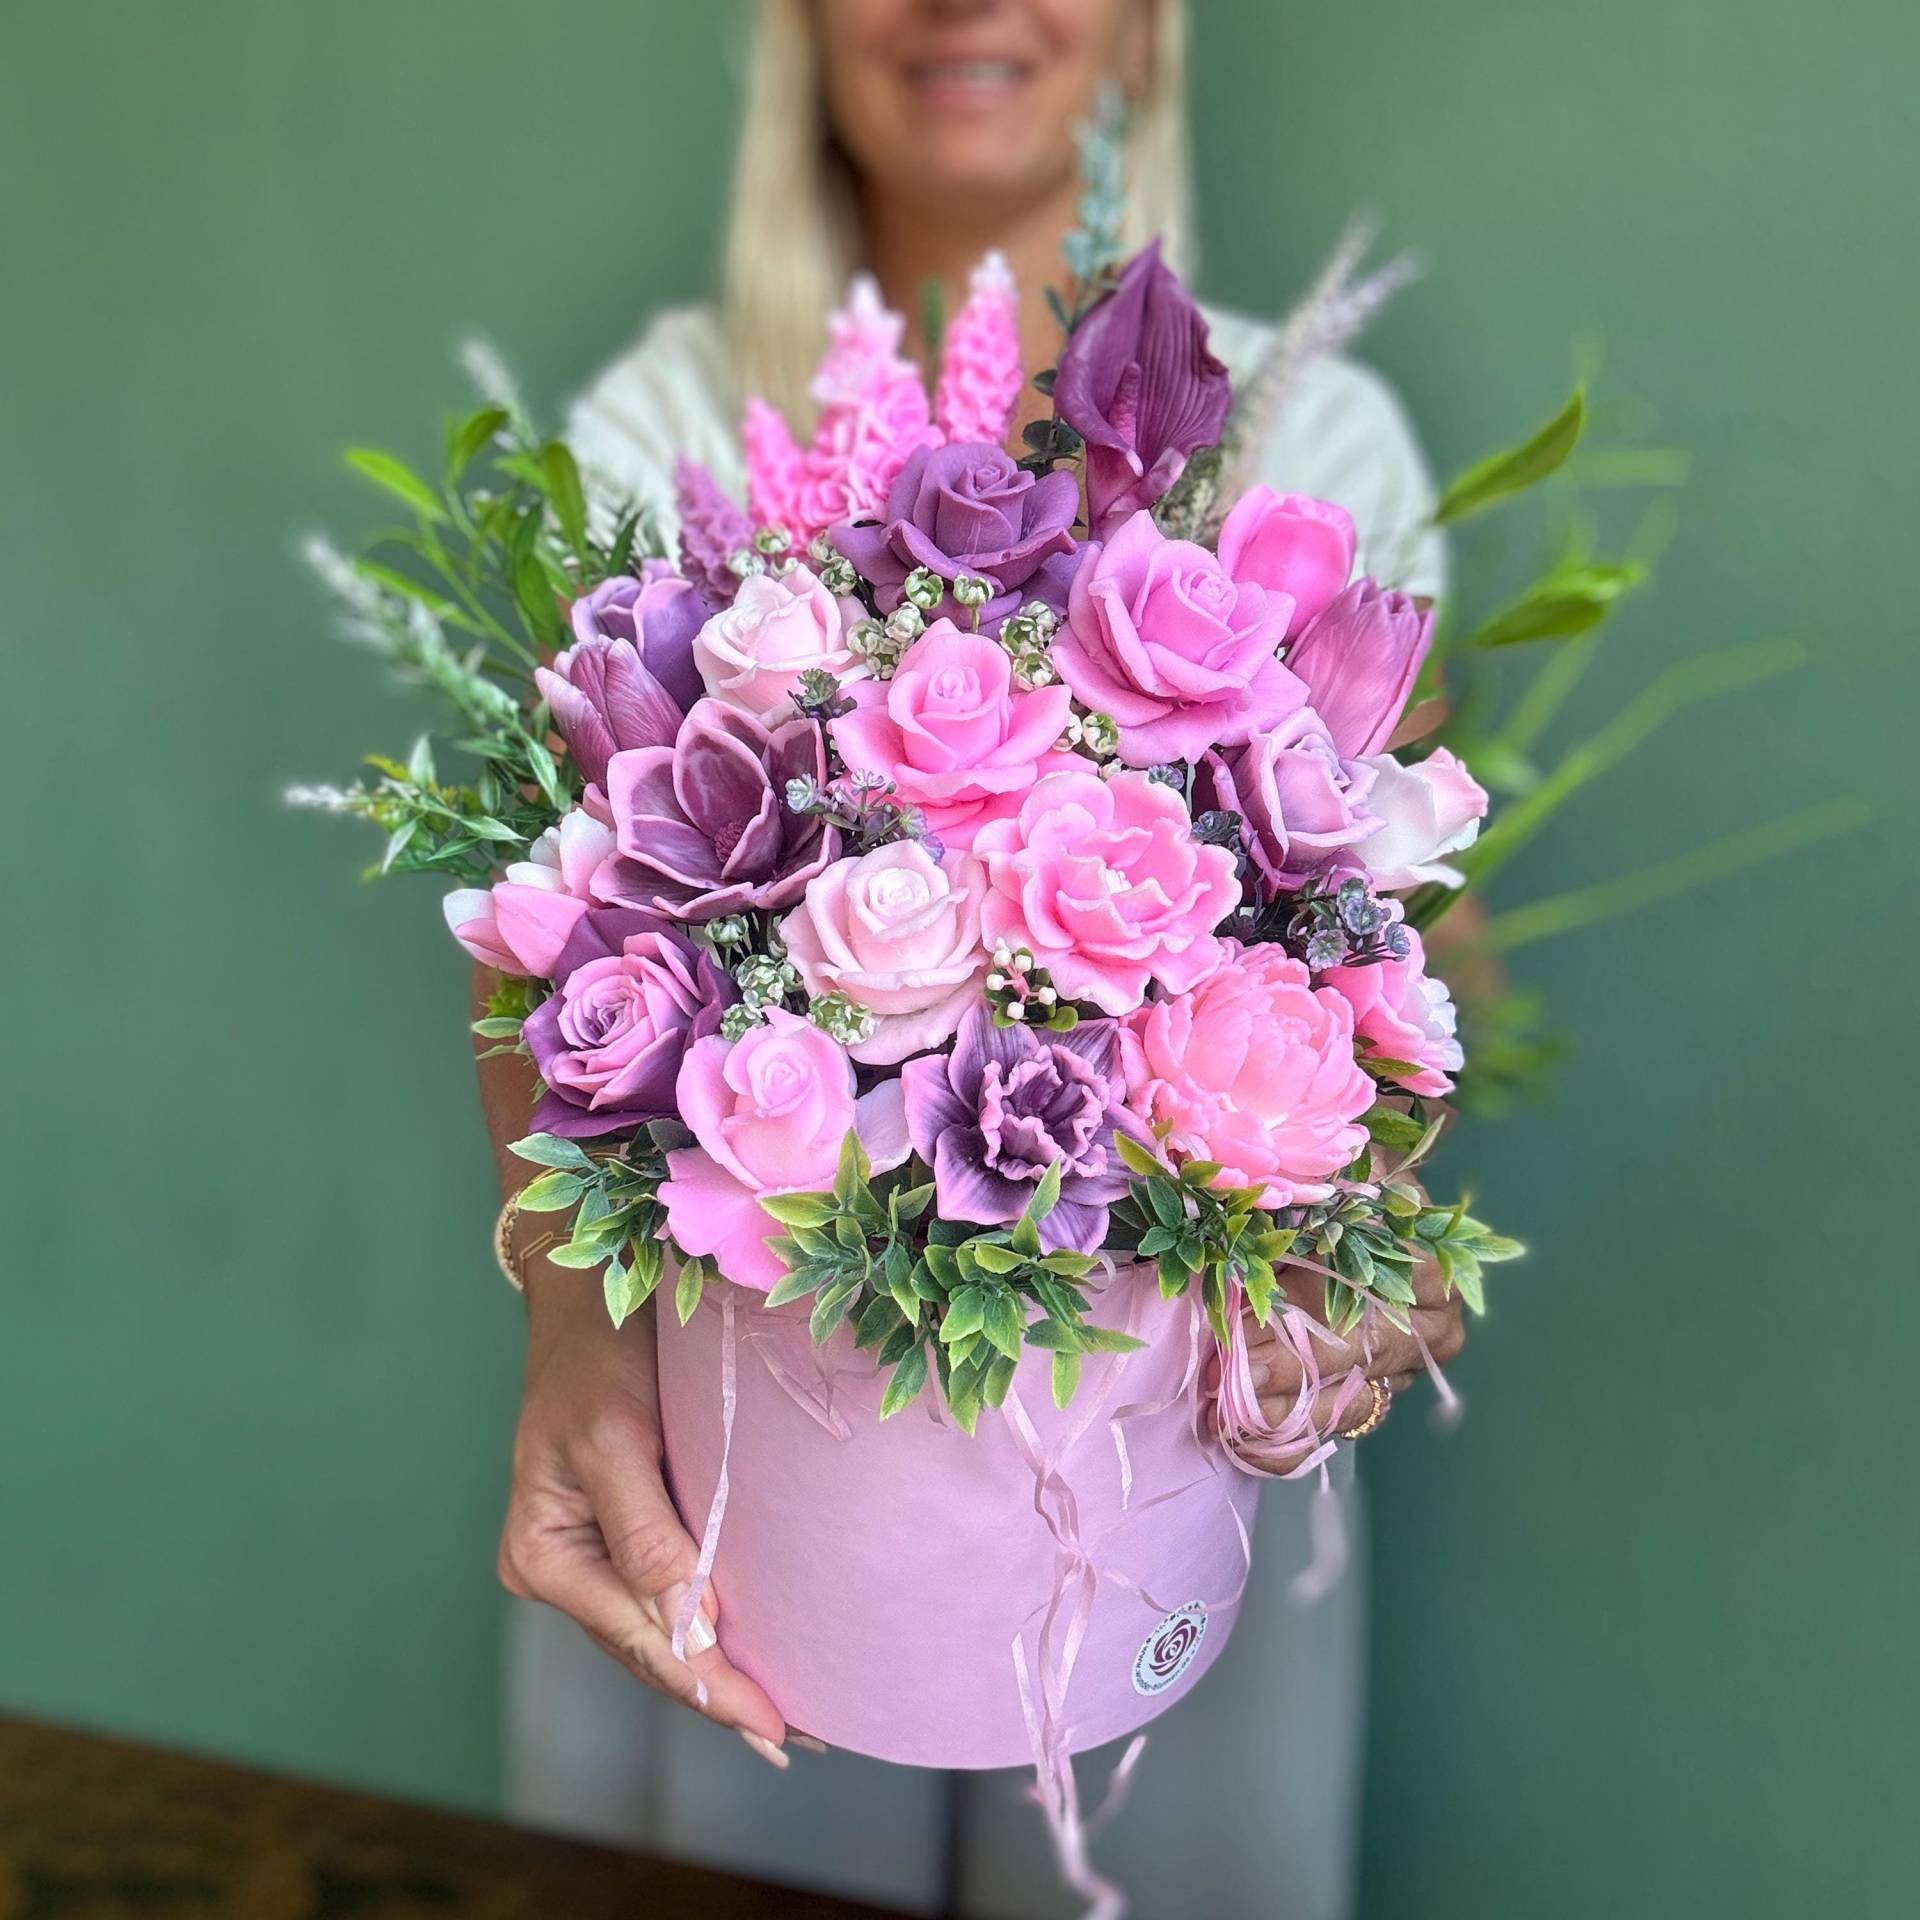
point(717, 1511)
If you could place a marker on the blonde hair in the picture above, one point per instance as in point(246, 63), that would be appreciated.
point(793, 235)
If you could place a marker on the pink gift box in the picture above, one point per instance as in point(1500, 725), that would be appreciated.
point(903, 1590)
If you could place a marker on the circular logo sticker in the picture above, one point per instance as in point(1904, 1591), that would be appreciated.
point(1169, 1650)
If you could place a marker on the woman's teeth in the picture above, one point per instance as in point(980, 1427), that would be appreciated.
point(969, 73)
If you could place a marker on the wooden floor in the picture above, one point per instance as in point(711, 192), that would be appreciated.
point(96, 1829)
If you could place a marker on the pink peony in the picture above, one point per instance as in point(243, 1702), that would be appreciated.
point(1291, 544)
point(770, 1112)
point(1183, 656)
point(1407, 1013)
point(897, 932)
point(1105, 883)
point(522, 921)
point(1254, 1069)
point(752, 654)
point(953, 733)
point(1429, 809)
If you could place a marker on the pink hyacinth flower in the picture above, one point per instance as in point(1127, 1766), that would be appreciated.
point(980, 371)
point(775, 465)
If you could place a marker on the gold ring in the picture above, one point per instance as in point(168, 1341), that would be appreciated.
point(1382, 1400)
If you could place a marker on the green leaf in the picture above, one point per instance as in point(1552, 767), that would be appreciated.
point(1055, 1334)
point(829, 1310)
point(908, 1378)
point(854, 1170)
point(799, 1209)
point(626, 1289)
point(907, 1204)
point(581, 1254)
point(1026, 1237)
point(546, 1149)
point(1046, 1195)
point(1106, 1340)
point(1138, 1158)
point(1391, 1127)
point(398, 479)
point(879, 1318)
point(1066, 1377)
point(470, 435)
point(966, 1313)
point(551, 1192)
point(563, 490)
point(795, 1284)
point(1563, 604)
point(1383, 1068)
point(500, 1027)
point(1513, 471)
point(688, 1289)
point(1004, 1323)
point(991, 1257)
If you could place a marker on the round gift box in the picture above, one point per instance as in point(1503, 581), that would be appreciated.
point(889, 1584)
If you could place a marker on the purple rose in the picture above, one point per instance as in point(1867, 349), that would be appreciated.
point(632, 995)
point(702, 827)
point(1360, 659)
point(1299, 802)
point(1138, 384)
point(1008, 1103)
point(629, 676)
point(968, 508)
point(1181, 654)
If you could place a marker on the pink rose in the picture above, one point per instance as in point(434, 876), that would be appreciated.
point(1359, 659)
point(1289, 544)
point(897, 932)
point(752, 654)
point(953, 733)
point(1254, 1069)
point(770, 1112)
point(1105, 883)
point(522, 921)
point(1429, 809)
point(1183, 656)
point(1407, 1013)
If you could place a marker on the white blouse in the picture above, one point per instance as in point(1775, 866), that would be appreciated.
point(1343, 436)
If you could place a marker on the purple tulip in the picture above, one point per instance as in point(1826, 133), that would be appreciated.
point(1360, 659)
point(629, 676)
point(1138, 384)
point(968, 508)
point(992, 1116)
point(702, 826)
point(632, 994)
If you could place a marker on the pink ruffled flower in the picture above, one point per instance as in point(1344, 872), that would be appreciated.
point(980, 371)
point(1104, 882)
point(770, 1113)
point(1254, 1069)
point(954, 734)
point(752, 654)
point(1183, 656)
point(1291, 544)
point(1359, 659)
point(1428, 810)
point(1407, 1013)
point(897, 932)
point(520, 924)
point(776, 465)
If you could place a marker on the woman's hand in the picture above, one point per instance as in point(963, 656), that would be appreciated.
point(590, 1528)
point(1376, 1348)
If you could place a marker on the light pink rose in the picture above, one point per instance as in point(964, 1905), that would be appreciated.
point(1254, 1069)
point(1291, 544)
point(1407, 1013)
point(522, 921)
point(752, 654)
point(954, 734)
point(1105, 883)
point(1429, 809)
point(897, 932)
point(770, 1112)
point(1183, 657)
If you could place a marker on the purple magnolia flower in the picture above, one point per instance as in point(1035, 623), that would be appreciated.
point(632, 994)
point(992, 1116)
point(629, 676)
point(712, 531)
point(968, 508)
point(1360, 659)
point(702, 827)
point(1299, 802)
point(1139, 386)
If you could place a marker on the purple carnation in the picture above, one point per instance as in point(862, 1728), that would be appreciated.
point(702, 827)
point(969, 508)
point(632, 994)
point(1139, 385)
point(992, 1116)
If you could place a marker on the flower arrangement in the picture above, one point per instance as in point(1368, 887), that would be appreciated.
point(959, 873)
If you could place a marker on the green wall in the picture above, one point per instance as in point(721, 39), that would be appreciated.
point(1645, 1623)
